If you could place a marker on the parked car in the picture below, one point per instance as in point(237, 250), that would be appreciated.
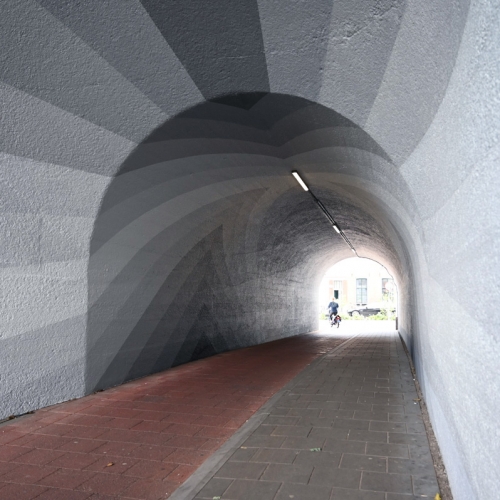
point(369, 309)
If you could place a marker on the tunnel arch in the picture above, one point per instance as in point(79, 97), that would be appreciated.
point(204, 242)
point(82, 84)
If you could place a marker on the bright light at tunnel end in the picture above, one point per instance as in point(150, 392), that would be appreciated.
point(300, 181)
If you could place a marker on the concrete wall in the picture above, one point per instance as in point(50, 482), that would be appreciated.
point(148, 216)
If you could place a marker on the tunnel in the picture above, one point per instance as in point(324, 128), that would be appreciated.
point(150, 216)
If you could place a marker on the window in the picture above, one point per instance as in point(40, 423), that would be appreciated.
point(361, 291)
point(337, 289)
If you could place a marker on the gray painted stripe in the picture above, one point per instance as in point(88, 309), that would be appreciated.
point(192, 486)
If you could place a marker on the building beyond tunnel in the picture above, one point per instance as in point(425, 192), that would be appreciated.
point(148, 214)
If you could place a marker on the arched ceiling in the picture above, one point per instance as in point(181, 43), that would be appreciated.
point(148, 212)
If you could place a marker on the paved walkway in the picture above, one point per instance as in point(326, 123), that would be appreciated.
point(143, 439)
point(349, 428)
point(346, 427)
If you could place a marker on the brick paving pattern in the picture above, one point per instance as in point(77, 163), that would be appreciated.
point(143, 439)
point(349, 429)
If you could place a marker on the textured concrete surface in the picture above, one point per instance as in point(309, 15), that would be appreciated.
point(148, 216)
point(142, 439)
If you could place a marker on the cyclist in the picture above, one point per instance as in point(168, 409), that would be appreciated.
point(333, 308)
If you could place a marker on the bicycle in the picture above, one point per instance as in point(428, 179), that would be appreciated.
point(335, 321)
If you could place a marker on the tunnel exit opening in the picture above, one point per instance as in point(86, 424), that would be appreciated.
point(364, 291)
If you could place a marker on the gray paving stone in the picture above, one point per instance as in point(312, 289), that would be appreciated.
point(420, 452)
point(401, 417)
point(311, 397)
point(291, 403)
point(343, 494)
point(288, 473)
point(340, 478)
point(392, 398)
point(385, 383)
point(372, 385)
point(304, 412)
point(351, 398)
point(278, 420)
point(382, 416)
point(399, 496)
point(344, 446)
point(355, 406)
point(325, 432)
point(344, 423)
point(241, 470)
point(316, 421)
point(277, 456)
point(314, 458)
point(290, 430)
point(256, 441)
point(369, 436)
point(243, 454)
point(395, 483)
point(360, 392)
point(415, 428)
point(388, 408)
point(410, 409)
point(214, 488)
point(401, 438)
point(325, 405)
point(264, 430)
point(279, 411)
point(425, 485)
point(304, 492)
point(334, 414)
point(383, 399)
point(387, 426)
point(364, 462)
point(303, 443)
point(410, 466)
point(251, 490)
point(388, 450)
point(308, 390)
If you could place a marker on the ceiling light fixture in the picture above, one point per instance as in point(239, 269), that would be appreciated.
point(325, 211)
point(300, 181)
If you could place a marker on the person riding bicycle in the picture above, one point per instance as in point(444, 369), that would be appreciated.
point(333, 308)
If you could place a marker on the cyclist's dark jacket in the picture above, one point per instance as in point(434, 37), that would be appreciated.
point(333, 307)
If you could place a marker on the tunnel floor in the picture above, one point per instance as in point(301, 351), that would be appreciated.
point(328, 416)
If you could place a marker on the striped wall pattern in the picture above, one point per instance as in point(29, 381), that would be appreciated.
point(149, 218)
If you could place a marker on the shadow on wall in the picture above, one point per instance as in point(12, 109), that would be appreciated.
point(204, 243)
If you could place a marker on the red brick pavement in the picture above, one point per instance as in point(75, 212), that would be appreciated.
point(143, 439)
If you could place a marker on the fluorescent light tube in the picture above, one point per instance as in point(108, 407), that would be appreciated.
point(300, 181)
